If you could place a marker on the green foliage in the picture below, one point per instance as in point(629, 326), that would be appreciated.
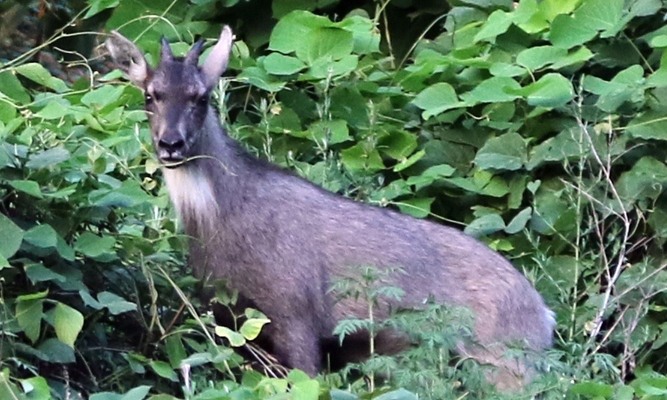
point(538, 125)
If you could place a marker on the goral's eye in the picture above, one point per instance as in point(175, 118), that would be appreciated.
point(199, 100)
point(148, 98)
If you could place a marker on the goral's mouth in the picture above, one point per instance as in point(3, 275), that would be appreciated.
point(172, 161)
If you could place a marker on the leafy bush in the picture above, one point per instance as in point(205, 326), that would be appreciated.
point(537, 125)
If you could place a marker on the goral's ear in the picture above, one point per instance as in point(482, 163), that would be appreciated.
point(128, 58)
point(216, 62)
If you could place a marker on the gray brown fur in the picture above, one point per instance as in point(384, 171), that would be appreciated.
point(282, 241)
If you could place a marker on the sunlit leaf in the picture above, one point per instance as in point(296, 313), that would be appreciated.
point(68, 323)
point(505, 152)
point(10, 237)
point(29, 311)
point(37, 73)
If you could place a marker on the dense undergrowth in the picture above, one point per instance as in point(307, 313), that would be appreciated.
point(538, 126)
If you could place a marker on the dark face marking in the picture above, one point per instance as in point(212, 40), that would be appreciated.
point(176, 101)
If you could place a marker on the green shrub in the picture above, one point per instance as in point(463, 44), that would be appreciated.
point(539, 126)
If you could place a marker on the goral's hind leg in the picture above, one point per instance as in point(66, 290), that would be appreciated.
point(296, 345)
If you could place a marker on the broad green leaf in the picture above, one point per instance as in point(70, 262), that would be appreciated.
point(102, 96)
point(593, 16)
point(28, 187)
point(519, 221)
point(289, 33)
point(649, 125)
point(43, 236)
point(485, 225)
point(393, 190)
point(36, 388)
point(566, 32)
point(658, 222)
point(197, 359)
point(324, 67)
point(537, 57)
point(482, 182)
point(408, 162)
point(418, 207)
point(11, 237)
point(337, 394)
point(325, 43)
point(57, 351)
point(493, 90)
point(430, 175)
point(552, 8)
point(627, 85)
point(398, 394)
point(92, 245)
point(164, 370)
point(260, 78)
point(115, 304)
point(436, 98)
point(348, 103)
point(624, 393)
point(496, 186)
point(175, 350)
point(306, 390)
point(64, 249)
point(658, 41)
point(29, 312)
point(568, 144)
point(62, 193)
point(68, 323)
point(516, 191)
point(8, 113)
point(549, 211)
point(54, 109)
point(97, 6)
point(552, 90)
point(397, 144)
point(296, 375)
point(11, 87)
point(32, 296)
point(88, 300)
point(235, 338)
point(601, 15)
point(505, 152)
point(39, 273)
point(593, 389)
point(642, 8)
point(358, 157)
point(250, 313)
point(364, 33)
point(529, 17)
point(37, 73)
point(105, 396)
point(283, 120)
point(129, 194)
point(48, 158)
point(8, 390)
point(138, 393)
point(646, 179)
point(330, 132)
point(278, 64)
point(506, 70)
point(252, 327)
point(497, 24)
point(580, 55)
